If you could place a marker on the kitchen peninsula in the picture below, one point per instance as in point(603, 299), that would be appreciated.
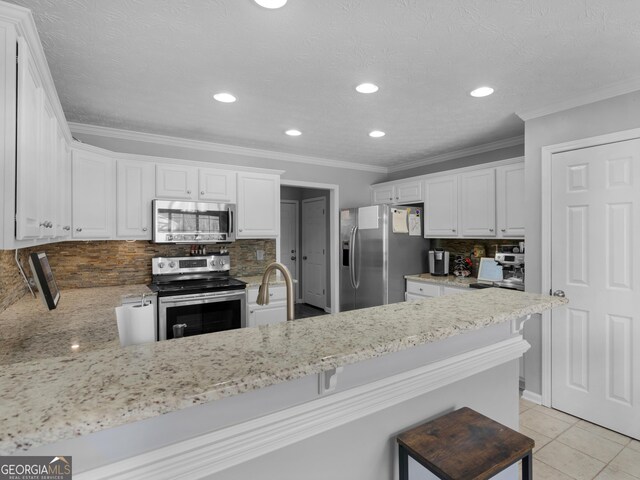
point(243, 401)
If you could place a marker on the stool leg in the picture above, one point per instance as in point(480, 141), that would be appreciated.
point(403, 460)
point(527, 467)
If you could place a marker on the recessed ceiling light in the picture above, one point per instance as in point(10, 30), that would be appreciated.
point(376, 134)
point(367, 88)
point(293, 133)
point(482, 92)
point(224, 97)
point(271, 3)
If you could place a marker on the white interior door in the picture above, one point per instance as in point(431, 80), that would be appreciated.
point(595, 261)
point(289, 238)
point(314, 237)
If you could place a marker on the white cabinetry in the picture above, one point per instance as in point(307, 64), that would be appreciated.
point(93, 190)
point(478, 203)
point(275, 312)
point(258, 205)
point(441, 206)
point(420, 290)
point(193, 183)
point(135, 190)
point(400, 192)
point(510, 200)
point(64, 187)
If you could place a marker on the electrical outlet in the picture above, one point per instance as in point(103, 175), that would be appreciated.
point(260, 254)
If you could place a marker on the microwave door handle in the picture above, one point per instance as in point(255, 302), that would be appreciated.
point(231, 222)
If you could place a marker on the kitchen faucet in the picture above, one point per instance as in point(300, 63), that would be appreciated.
point(263, 292)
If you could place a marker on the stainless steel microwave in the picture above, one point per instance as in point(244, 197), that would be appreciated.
point(176, 221)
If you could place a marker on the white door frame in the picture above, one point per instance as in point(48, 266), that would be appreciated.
point(334, 233)
point(297, 242)
point(547, 154)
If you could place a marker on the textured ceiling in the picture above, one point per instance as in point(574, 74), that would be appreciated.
point(153, 65)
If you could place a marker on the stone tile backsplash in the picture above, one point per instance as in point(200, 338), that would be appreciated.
point(108, 263)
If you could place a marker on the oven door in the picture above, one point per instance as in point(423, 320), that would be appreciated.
point(201, 313)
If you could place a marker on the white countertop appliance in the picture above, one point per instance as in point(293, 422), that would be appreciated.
point(196, 295)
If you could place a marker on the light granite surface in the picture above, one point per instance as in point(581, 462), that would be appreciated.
point(83, 317)
point(69, 396)
point(449, 280)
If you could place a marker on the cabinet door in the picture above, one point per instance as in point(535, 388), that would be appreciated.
point(48, 193)
point(135, 185)
point(510, 200)
point(217, 185)
point(408, 192)
point(267, 315)
point(258, 205)
point(93, 195)
point(176, 181)
point(382, 194)
point(64, 187)
point(410, 297)
point(478, 203)
point(29, 149)
point(454, 290)
point(441, 207)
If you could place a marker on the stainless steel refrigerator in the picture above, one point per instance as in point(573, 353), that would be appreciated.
point(377, 252)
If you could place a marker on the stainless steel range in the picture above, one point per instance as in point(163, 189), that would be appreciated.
point(196, 295)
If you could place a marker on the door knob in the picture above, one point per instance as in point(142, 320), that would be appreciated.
point(293, 258)
point(558, 293)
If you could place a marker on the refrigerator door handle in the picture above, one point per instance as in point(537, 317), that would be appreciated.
point(356, 279)
point(351, 255)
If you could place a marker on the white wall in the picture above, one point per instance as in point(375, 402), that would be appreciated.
point(607, 116)
point(354, 184)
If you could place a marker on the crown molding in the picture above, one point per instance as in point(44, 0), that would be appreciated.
point(609, 91)
point(465, 152)
point(86, 129)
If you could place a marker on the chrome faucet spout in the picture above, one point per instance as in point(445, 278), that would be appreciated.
point(263, 291)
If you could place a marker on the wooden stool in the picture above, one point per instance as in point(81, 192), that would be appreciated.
point(464, 445)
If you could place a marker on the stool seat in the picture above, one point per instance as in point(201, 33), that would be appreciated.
point(465, 445)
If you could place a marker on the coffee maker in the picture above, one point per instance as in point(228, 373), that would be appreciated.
point(438, 262)
point(512, 268)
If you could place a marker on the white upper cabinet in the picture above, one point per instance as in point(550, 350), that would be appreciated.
point(29, 171)
point(94, 195)
point(510, 201)
point(258, 205)
point(64, 187)
point(135, 191)
point(478, 203)
point(400, 192)
point(48, 192)
point(177, 181)
point(441, 206)
point(217, 185)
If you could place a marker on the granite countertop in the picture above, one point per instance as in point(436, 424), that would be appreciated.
point(69, 396)
point(449, 280)
point(83, 317)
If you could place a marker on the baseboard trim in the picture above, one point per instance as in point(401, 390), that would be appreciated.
point(213, 452)
point(532, 397)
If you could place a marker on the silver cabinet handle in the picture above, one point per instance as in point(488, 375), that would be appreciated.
point(240, 230)
point(503, 229)
point(188, 192)
point(78, 229)
point(144, 229)
point(66, 227)
point(304, 257)
point(202, 192)
point(453, 229)
point(293, 258)
point(491, 229)
point(558, 293)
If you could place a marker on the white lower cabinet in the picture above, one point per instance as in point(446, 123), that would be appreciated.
point(421, 290)
point(275, 312)
point(258, 205)
point(135, 191)
point(93, 195)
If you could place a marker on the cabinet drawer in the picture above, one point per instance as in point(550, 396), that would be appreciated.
point(423, 289)
point(276, 293)
point(454, 290)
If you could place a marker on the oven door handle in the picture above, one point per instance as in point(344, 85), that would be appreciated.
point(200, 298)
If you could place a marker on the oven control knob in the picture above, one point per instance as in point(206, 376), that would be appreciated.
point(213, 263)
point(161, 265)
point(172, 264)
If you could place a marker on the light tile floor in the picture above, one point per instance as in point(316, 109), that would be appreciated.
point(570, 448)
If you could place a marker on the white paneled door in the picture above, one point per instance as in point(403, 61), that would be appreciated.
point(314, 266)
point(289, 238)
point(596, 262)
